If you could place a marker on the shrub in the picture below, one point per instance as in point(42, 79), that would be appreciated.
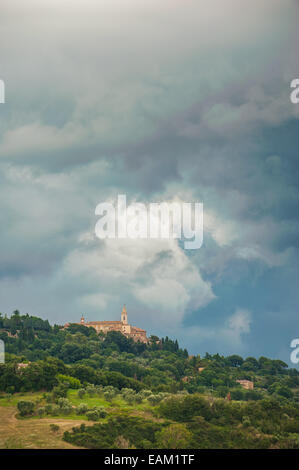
point(246, 421)
point(71, 382)
point(130, 399)
point(292, 427)
point(55, 410)
point(81, 392)
point(91, 390)
point(47, 397)
point(145, 393)
point(184, 409)
point(137, 431)
point(128, 395)
point(99, 389)
point(92, 415)
point(101, 412)
point(127, 391)
point(48, 409)
point(82, 409)
point(175, 436)
point(154, 399)
point(65, 406)
point(25, 407)
point(59, 392)
point(252, 395)
point(41, 411)
point(66, 410)
point(122, 443)
point(54, 427)
point(109, 395)
point(284, 392)
point(138, 398)
point(237, 394)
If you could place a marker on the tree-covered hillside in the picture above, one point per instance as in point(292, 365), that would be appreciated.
point(108, 378)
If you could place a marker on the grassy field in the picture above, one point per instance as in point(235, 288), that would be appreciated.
point(115, 405)
point(5, 400)
point(31, 433)
point(35, 432)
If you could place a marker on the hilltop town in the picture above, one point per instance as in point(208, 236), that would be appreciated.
point(137, 334)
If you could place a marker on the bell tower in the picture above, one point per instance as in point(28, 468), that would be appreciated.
point(82, 320)
point(124, 316)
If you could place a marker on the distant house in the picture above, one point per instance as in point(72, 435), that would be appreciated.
point(3, 330)
point(247, 384)
point(22, 365)
point(187, 378)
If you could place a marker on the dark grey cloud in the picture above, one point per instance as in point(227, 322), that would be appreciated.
point(159, 101)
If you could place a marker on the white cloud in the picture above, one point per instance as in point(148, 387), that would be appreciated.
point(103, 76)
point(230, 336)
point(239, 323)
point(157, 274)
point(35, 137)
point(125, 65)
point(224, 232)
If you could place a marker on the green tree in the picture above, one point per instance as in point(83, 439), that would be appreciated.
point(25, 408)
point(234, 360)
point(175, 436)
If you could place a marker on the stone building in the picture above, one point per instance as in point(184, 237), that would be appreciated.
point(137, 334)
point(247, 384)
point(22, 365)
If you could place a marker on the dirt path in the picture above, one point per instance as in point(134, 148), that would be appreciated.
point(32, 433)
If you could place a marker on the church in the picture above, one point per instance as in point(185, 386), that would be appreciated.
point(137, 334)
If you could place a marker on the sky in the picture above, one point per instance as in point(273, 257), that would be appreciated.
point(161, 101)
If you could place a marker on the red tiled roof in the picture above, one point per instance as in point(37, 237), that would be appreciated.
point(101, 322)
point(135, 328)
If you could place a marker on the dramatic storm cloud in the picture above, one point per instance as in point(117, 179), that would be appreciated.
point(173, 100)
